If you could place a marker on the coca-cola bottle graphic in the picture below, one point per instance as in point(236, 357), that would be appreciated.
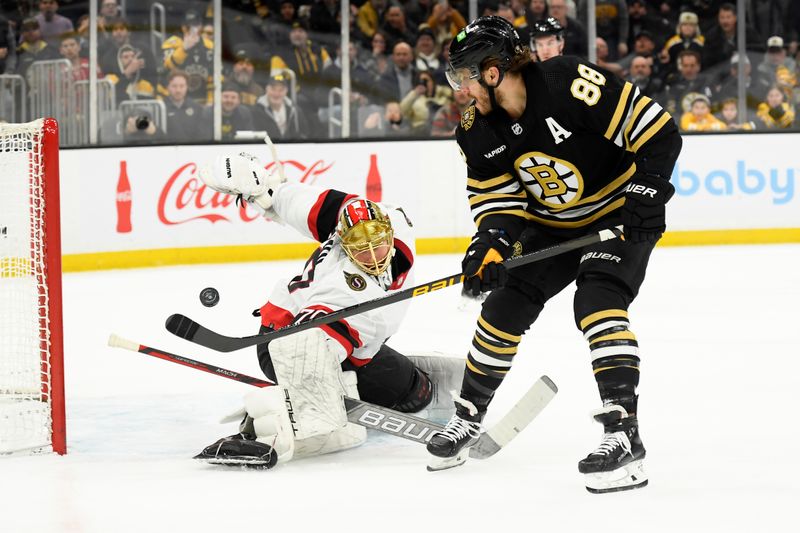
point(123, 199)
point(374, 186)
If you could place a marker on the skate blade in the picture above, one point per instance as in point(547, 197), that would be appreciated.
point(444, 463)
point(628, 477)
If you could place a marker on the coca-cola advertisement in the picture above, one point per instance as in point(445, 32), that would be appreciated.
point(157, 200)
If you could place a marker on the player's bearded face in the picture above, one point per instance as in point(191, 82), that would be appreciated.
point(369, 245)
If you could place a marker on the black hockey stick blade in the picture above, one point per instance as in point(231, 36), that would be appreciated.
point(186, 328)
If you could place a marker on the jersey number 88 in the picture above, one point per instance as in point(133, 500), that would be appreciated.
point(586, 87)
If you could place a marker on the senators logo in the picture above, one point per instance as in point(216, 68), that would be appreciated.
point(468, 117)
point(355, 281)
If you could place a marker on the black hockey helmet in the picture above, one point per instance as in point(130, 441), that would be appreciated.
point(548, 26)
point(483, 38)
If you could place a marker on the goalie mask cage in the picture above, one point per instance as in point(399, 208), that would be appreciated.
point(32, 415)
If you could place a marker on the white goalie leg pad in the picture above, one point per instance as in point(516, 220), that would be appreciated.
point(272, 422)
point(347, 437)
point(446, 373)
point(307, 364)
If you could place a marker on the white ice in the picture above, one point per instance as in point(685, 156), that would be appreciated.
point(719, 396)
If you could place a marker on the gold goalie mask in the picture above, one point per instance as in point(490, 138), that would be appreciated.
point(366, 235)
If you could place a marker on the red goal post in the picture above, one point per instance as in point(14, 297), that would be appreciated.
point(32, 411)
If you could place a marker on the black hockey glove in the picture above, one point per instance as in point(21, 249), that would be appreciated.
point(482, 267)
point(643, 214)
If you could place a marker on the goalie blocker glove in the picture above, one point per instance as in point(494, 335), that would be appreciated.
point(644, 211)
point(482, 265)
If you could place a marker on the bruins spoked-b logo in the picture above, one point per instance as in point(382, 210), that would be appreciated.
point(556, 183)
point(468, 117)
point(355, 281)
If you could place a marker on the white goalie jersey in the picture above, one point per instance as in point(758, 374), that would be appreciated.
point(331, 281)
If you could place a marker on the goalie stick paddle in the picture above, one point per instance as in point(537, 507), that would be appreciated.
point(383, 419)
point(186, 328)
point(359, 412)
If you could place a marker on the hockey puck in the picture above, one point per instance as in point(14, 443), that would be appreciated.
point(209, 297)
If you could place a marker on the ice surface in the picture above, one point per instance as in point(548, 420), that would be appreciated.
point(720, 389)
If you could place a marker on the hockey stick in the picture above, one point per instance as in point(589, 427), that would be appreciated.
point(384, 419)
point(359, 412)
point(188, 329)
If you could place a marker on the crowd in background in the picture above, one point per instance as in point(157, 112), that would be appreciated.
point(282, 60)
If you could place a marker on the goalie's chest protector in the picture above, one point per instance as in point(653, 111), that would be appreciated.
point(563, 162)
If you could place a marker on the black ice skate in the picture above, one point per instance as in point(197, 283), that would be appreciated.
point(450, 448)
point(616, 464)
point(239, 450)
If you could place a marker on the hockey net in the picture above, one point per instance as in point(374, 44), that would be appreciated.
point(31, 356)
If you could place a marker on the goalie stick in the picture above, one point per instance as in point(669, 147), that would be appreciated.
point(383, 419)
point(186, 328)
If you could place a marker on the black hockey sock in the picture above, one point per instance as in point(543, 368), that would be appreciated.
point(615, 359)
point(488, 362)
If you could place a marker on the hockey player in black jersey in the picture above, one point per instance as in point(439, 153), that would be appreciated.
point(556, 150)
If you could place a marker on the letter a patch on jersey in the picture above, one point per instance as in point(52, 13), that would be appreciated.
point(557, 130)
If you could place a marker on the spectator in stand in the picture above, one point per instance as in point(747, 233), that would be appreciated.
point(184, 116)
point(307, 60)
point(575, 42)
point(377, 61)
point(51, 24)
point(448, 116)
point(775, 112)
point(242, 75)
point(394, 27)
point(276, 114)
point(699, 117)
point(641, 76)
point(32, 48)
point(756, 87)
point(130, 77)
point(645, 45)
point(119, 36)
point(611, 18)
point(778, 69)
point(369, 17)
point(729, 115)
point(445, 21)
point(69, 49)
point(426, 55)
point(390, 123)
point(277, 29)
point(603, 58)
point(547, 39)
point(193, 55)
point(109, 12)
point(537, 10)
point(721, 39)
point(400, 76)
point(235, 116)
point(683, 86)
point(422, 102)
point(642, 18)
point(687, 37)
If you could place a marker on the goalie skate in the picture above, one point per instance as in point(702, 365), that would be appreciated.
point(617, 463)
point(239, 450)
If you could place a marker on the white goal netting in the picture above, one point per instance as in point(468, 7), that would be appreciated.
point(26, 359)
